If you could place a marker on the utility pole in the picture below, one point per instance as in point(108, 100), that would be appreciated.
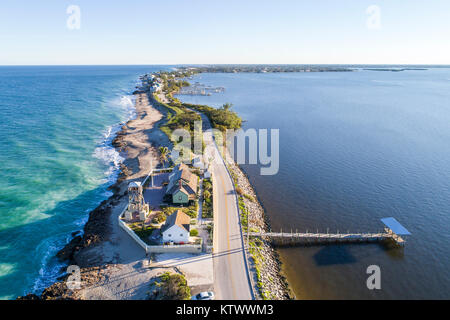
point(151, 171)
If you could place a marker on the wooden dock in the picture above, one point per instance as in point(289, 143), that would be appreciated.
point(293, 238)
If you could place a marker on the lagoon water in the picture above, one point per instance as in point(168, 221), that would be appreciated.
point(56, 161)
point(354, 147)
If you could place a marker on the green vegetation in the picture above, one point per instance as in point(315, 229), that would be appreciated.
point(210, 229)
point(142, 231)
point(233, 175)
point(207, 210)
point(254, 245)
point(160, 217)
point(178, 117)
point(258, 260)
point(163, 154)
point(244, 214)
point(173, 287)
point(191, 211)
point(249, 197)
point(222, 118)
point(193, 233)
point(266, 68)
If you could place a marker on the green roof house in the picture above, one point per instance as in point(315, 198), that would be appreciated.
point(182, 185)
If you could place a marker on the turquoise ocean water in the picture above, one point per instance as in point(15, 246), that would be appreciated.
point(354, 147)
point(56, 161)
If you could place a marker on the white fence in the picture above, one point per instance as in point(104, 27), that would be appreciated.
point(185, 248)
point(153, 170)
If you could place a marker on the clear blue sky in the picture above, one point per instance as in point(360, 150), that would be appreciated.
point(245, 31)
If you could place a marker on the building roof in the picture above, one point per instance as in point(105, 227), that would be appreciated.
point(181, 173)
point(186, 174)
point(178, 218)
point(135, 184)
point(395, 226)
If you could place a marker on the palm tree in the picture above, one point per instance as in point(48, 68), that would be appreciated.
point(163, 154)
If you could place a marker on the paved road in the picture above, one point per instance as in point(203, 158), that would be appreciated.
point(231, 280)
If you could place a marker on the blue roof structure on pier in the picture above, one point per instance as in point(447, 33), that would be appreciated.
point(395, 226)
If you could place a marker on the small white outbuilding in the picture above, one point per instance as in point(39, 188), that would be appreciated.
point(177, 228)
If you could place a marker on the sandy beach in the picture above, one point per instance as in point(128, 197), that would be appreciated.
point(112, 265)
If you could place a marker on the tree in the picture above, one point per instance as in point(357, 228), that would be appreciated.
point(206, 194)
point(227, 106)
point(173, 287)
point(163, 154)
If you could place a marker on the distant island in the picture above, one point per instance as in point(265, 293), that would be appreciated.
point(266, 68)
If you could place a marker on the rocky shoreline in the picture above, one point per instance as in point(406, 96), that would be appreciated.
point(87, 249)
point(272, 283)
point(96, 230)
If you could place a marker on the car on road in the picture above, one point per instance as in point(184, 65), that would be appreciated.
point(204, 296)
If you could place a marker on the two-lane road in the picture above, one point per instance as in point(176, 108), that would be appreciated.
point(231, 280)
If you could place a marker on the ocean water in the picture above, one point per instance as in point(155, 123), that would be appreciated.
point(354, 147)
point(56, 161)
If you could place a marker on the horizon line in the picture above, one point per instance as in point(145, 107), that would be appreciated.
point(229, 64)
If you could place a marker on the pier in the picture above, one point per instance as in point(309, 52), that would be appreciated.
point(393, 231)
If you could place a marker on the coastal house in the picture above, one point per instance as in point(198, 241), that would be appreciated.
point(177, 228)
point(182, 185)
point(197, 162)
point(156, 87)
point(137, 209)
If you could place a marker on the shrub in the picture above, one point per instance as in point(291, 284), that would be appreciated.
point(191, 213)
point(249, 197)
point(239, 190)
point(173, 287)
point(160, 217)
point(221, 118)
point(207, 184)
point(143, 233)
point(194, 232)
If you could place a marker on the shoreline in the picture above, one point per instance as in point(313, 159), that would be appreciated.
point(274, 285)
point(98, 248)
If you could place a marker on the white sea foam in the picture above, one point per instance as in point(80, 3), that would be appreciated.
point(6, 268)
point(50, 266)
point(105, 151)
point(107, 154)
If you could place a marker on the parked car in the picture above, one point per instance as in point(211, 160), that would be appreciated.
point(204, 296)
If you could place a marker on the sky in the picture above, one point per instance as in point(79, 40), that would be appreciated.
point(50, 32)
